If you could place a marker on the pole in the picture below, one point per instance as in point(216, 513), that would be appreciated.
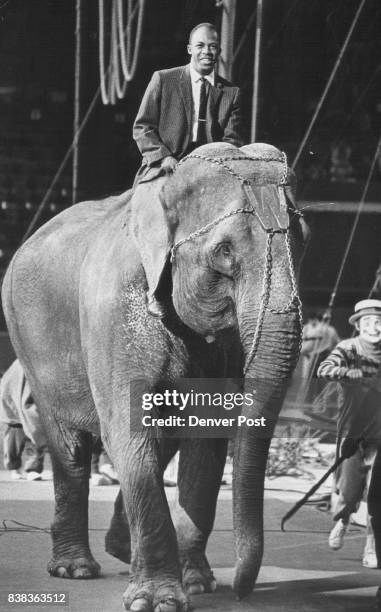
point(227, 38)
point(77, 84)
point(376, 288)
point(331, 470)
point(258, 36)
point(244, 35)
point(305, 497)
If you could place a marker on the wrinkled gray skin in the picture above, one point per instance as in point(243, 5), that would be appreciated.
point(74, 298)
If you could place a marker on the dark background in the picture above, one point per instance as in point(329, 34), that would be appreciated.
point(301, 42)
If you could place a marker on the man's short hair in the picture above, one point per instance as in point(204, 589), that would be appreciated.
point(207, 25)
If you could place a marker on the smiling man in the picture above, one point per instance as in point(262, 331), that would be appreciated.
point(187, 106)
point(183, 108)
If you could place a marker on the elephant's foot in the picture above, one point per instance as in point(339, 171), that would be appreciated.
point(155, 596)
point(77, 568)
point(117, 543)
point(197, 576)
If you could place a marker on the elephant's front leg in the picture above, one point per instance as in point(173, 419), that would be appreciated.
point(118, 541)
point(155, 578)
point(70, 454)
point(200, 472)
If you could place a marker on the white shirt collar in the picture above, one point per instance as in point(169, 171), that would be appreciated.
point(196, 76)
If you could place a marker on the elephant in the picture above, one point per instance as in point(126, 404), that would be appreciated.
point(221, 239)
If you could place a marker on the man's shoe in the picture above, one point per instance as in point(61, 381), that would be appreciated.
point(369, 559)
point(17, 475)
point(107, 470)
point(155, 308)
point(99, 480)
point(33, 476)
point(336, 537)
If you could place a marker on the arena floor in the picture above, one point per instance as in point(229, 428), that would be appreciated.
point(299, 573)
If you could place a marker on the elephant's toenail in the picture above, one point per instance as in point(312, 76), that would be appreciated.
point(196, 589)
point(168, 604)
point(169, 600)
point(82, 572)
point(139, 605)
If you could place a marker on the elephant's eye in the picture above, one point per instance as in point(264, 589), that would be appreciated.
point(222, 260)
point(223, 249)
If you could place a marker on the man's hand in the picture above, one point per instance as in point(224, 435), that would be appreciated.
point(169, 164)
point(354, 374)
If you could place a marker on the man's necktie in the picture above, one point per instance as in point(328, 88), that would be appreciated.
point(201, 129)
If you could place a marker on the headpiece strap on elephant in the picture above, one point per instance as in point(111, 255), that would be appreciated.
point(219, 242)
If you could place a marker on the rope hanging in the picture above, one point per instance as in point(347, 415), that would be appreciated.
point(125, 41)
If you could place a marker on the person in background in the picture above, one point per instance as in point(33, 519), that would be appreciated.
point(356, 361)
point(23, 428)
point(318, 339)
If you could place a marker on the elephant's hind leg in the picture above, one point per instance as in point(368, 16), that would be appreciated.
point(71, 454)
point(200, 472)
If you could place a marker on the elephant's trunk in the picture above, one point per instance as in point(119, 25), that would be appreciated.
point(268, 374)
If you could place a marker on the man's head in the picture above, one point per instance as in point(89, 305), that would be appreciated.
point(367, 320)
point(204, 48)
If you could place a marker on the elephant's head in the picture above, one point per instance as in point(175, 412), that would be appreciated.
point(236, 238)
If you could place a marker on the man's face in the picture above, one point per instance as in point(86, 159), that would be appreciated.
point(369, 328)
point(204, 49)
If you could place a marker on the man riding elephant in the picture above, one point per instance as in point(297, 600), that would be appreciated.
point(183, 108)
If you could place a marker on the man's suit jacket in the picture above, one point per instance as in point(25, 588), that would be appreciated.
point(163, 125)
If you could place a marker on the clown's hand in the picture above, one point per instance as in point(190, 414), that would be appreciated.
point(354, 374)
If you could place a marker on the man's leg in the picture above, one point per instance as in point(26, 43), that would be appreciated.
point(152, 237)
point(34, 464)
point(13, 446)
point(95, 454)
point(374, 504)
point(97, 479)
point(350, 483)
point(369, 558)
point(107, 469)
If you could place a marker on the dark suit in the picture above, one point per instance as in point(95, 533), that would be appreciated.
point(163, 125)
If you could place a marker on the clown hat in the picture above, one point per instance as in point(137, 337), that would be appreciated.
point(365, 307)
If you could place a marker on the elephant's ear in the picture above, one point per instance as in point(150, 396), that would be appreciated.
point(151, 230)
